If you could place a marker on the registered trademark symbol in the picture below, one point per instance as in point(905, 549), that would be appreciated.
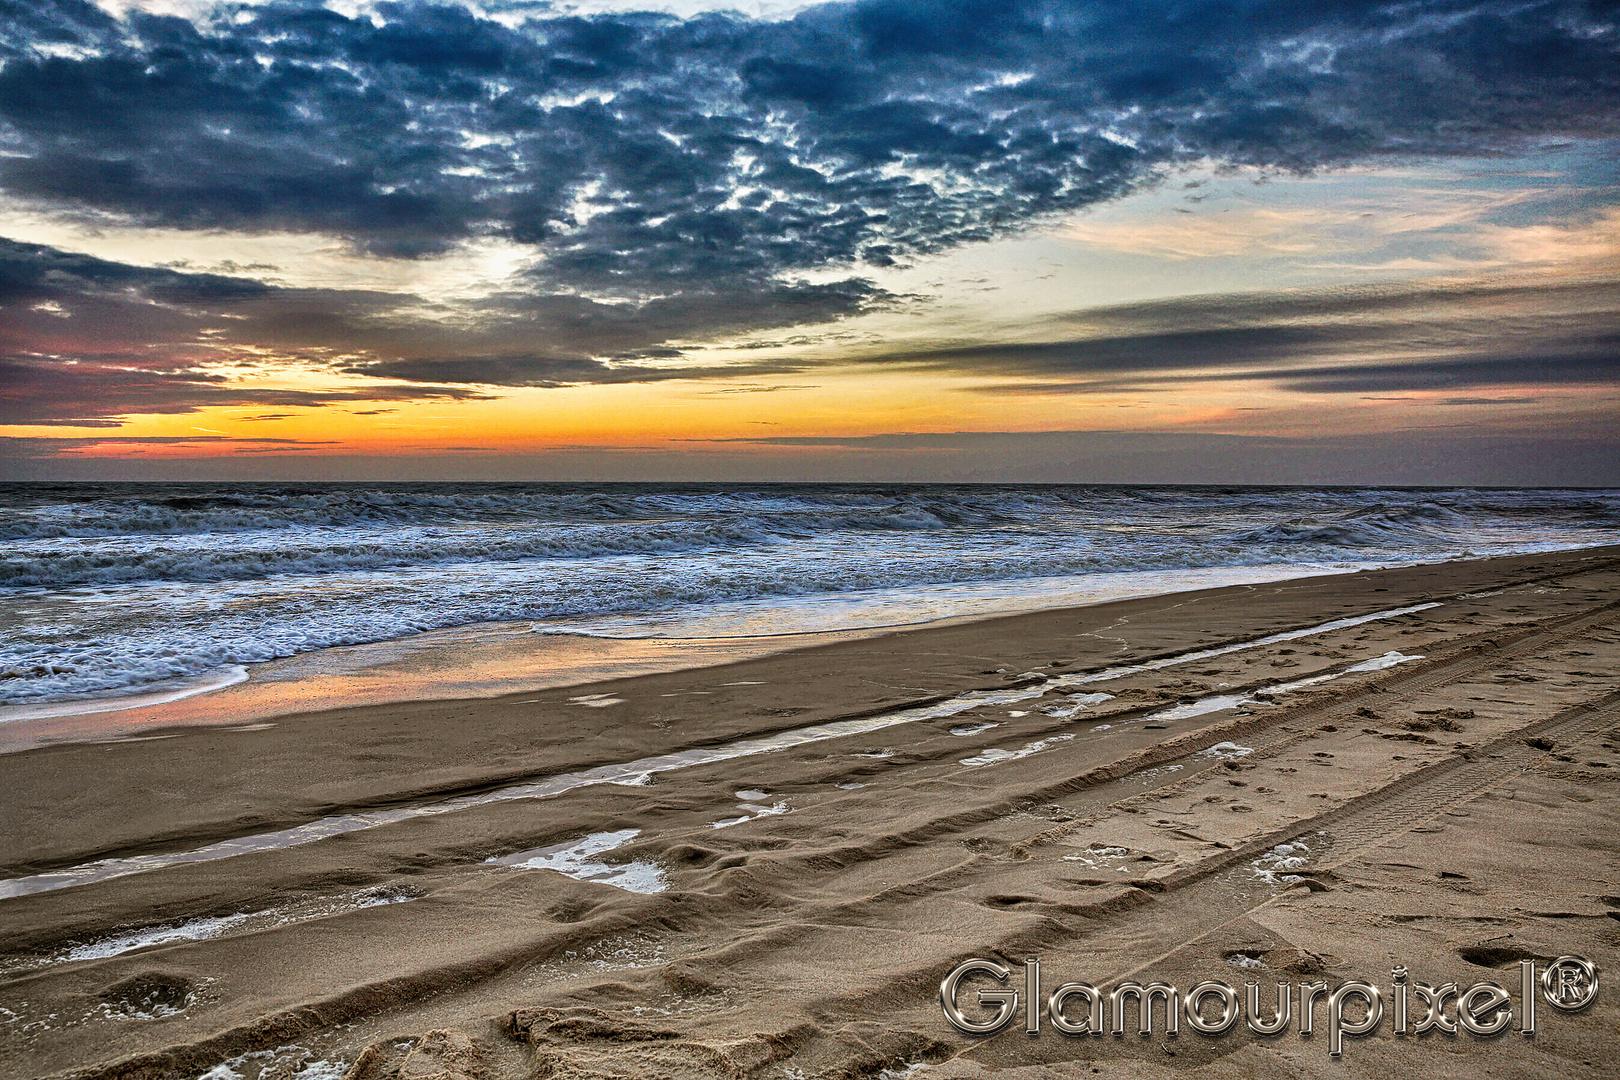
point(1570, 983)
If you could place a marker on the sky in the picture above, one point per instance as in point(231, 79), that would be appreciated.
point(1135, 241)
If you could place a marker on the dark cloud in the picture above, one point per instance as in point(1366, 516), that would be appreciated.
point(1335, 341)
point(645, 155)
point(1148, 351)
point(79, 422)
point(900, 440)
point(1572, 366)
point(292, 448)
point(87, 338)
point(1440, 457)
point(89, 393)
point(1036, 389)
point(35, 273)
point(547, 371)
point(46, 448)
point(760, 389)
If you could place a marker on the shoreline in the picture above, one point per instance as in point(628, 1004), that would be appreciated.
point(490, 659)
point(1071, 783)
point(295, 743)
point(483, 661)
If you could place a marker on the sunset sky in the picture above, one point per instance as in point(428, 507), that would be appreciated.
point(1160, 241)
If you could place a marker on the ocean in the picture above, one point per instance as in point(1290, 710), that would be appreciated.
point(116, 589)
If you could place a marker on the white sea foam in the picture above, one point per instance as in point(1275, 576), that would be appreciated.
point(1227, 751)
point(289, 1062)
point(1277, 866)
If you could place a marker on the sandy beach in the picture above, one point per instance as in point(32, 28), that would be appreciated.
point(766, 868)
point(809, 540)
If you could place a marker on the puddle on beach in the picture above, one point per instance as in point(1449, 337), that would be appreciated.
point(203, 929)
point(995, 755)
point(1219, 702)
point(578, 859)
point(640, 771)
point(751, 802)
point(596, 701)
point(1188, 710)
point(1076, 704)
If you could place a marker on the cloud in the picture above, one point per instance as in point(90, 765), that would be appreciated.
point(34, 273)
point(642, 155)
point(672, 181)
point(904, 440)
point(120, 340)
point(1188, 457)
point(81, 393)
point(1595, 242)
point(1368, 340)
point(1597, 363)
point(554, 371)
point(1038, 389)
point(1292, 231)
point(758, 389)
point(1364, 228)
point(78, 422)
point(47, 448)
point(88, 338)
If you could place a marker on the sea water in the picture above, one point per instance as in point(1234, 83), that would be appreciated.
point(110, 590)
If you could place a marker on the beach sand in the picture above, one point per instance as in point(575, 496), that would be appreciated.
point(1450, 806)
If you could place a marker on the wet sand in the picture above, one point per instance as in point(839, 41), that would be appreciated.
point(1178, 788)
point(489, 661)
